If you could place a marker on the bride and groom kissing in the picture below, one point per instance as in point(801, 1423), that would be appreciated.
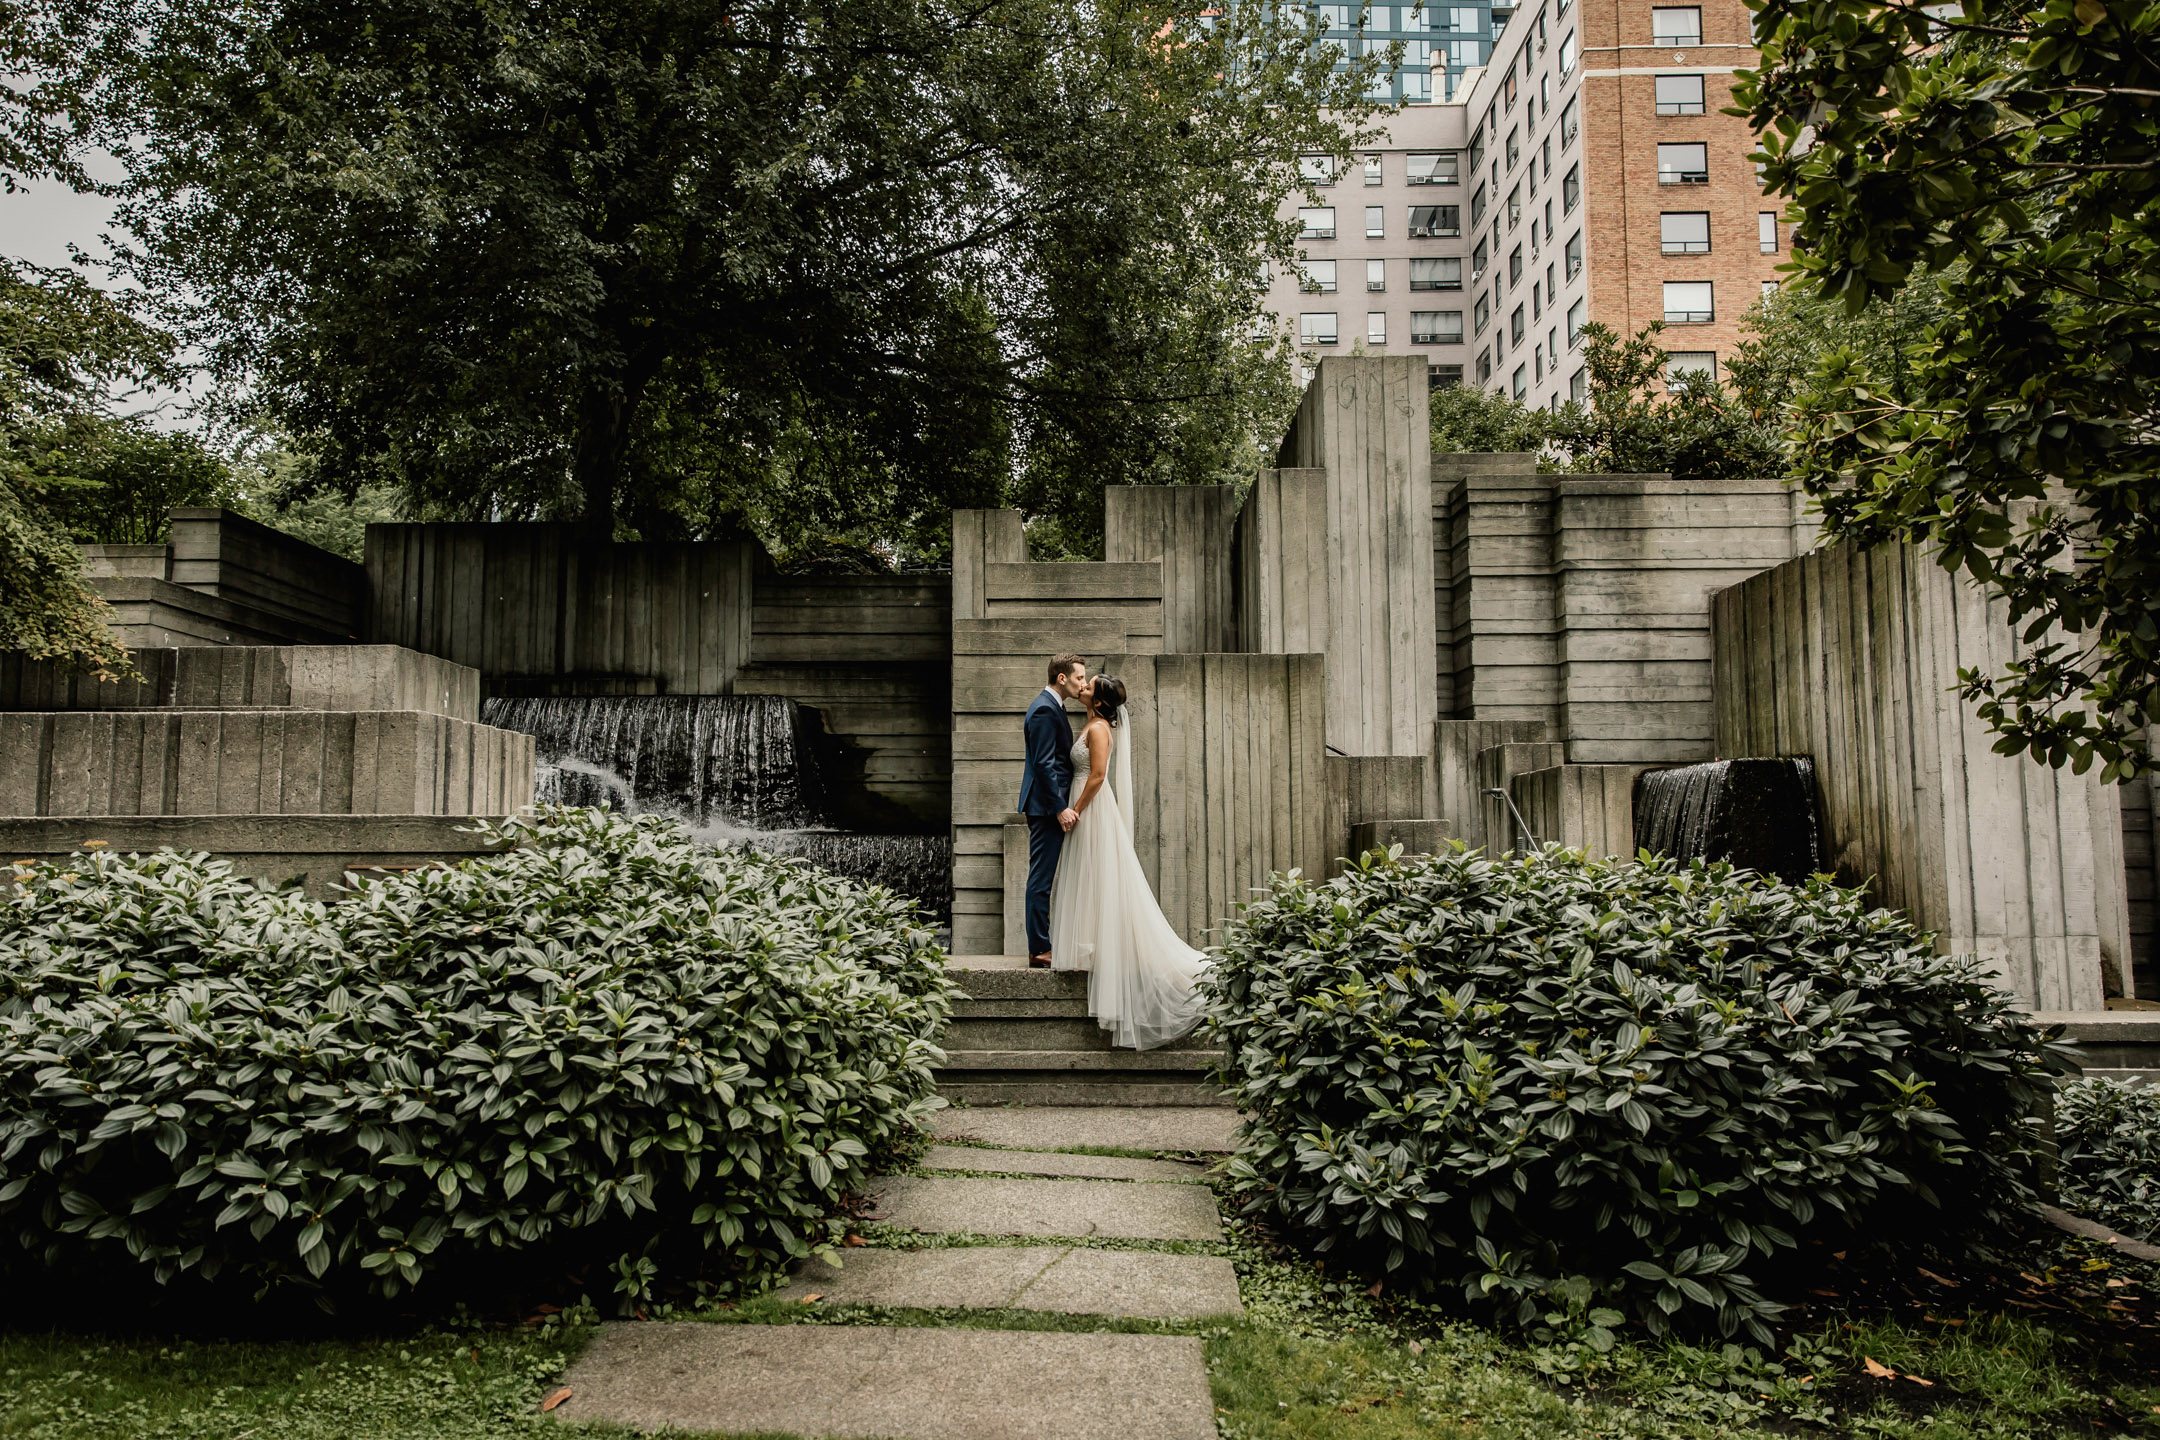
point(1089, 905)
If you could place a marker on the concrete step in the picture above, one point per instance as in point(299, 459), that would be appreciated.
point(1078, 1032)
point(1111, 1089)
point(1115, 1062)
point(903, 1384)
point(1017, 982)
point(1058, 1278)
point(1059, 1166)
point(253, 677)
point(1123, 1209)
point(1041, 1127)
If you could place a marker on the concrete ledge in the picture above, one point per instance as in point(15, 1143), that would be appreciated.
point(1101, 1089)
point(249, 677)
point(2117, 1044)
point(315, 850)
point(1417, 837)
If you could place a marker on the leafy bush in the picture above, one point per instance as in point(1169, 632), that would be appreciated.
point(607, 1036)
point(2109, 1163)
point(1558, 1082)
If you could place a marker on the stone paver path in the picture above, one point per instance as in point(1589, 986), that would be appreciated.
point(865, 1381)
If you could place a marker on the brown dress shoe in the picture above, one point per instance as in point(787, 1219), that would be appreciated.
point(1039, 962)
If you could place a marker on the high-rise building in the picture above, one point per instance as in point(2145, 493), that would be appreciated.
point(1584, 174)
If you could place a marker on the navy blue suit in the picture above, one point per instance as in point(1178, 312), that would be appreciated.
point(1045, 791)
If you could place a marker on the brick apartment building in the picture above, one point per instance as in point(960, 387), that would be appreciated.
point(1584, 174)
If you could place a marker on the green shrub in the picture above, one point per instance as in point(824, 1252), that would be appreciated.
point(2109, 1164)
point(1557, 1082)
point(608, 1036)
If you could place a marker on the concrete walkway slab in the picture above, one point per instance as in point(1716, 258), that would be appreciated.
point(1127, 1127)
point(1078, 1167)
point(1050, 1207)
point(1028, 1277)
point(829, 1382)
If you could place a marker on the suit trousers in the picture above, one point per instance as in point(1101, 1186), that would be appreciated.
point(1046, 840)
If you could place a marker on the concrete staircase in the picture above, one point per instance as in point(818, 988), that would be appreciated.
point(1025, 1037)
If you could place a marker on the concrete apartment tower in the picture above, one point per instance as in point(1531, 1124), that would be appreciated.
point(1584, 174)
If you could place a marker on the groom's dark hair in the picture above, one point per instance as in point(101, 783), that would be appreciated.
point(1061, 665)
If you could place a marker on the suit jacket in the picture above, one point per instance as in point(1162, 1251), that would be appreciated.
point(1046, 783)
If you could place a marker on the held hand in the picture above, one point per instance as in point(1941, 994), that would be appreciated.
point(1068, 818)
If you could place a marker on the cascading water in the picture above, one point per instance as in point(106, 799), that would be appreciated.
point(1758, 813)
point(732, 767)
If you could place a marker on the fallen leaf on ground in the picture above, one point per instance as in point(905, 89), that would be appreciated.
point(556, 1399)
point(2113, 1284)
point(813, 1297)
point(1831, 1293)
point(854, 1240)
point(1938, 1279)
point(1375, 1291)
point(1417, 1347)
point(1918, 1381)
point(1877, 1369)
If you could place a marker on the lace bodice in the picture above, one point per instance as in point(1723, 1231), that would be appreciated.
point(1079, 756)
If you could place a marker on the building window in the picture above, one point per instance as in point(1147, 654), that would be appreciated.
point(1477, 149)
point(1766, 231)
point(1573, 255)
point(1443, 377)
point(1375, 222)
point(1457, 20)
point(1440, 169)
point(1570, 121)
point(1552, 350)
point(1769, 287)
point(1431, 221)
point(1376, 274)
point(1316, 277)
point(1522, 381)
point(1514, 266)
point(1436, 327)
point(1316, 169)
point(1516, 326)
point(1567, 54)
point(1514, 148)
point(1679, 95)
point(1316, 328)
point(1443, 274)
point(1548, 222)
point(1575, 316)
point(1570, 189)
point(1686, 164)
point(1676, 25)
point(1477, 204)
point(1684, 232)
point(1687, 302)
point(1578, 385)
point(1690, 362)
point(1551, 291)
point(1544, 155)
point(1537, 304)
point(1417, 87)
point(1484, 366)
point(1376, 327)
point(1338, 17)
point(1373, 174)
point(1480, 314)
point(1507, 91)
point(1514, 207)
point(1316, 222)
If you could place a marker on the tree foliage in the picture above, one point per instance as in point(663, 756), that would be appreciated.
point(2008, 148)
point(64, 345)
point(1633, 419)
point(691, 269)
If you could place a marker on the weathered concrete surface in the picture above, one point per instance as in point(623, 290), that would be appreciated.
point(1083, 1208)
point(315, 850)
point(246, 677)
point(1074, 1167)
point(1028, 1277)
point(899, 1384)
point(1057, 1127)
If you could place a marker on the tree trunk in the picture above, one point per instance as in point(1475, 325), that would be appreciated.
point(603, 444)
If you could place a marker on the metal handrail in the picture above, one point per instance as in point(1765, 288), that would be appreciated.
point(1521, 825)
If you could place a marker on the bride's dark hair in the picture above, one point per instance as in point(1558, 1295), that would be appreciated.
point(1109, 695)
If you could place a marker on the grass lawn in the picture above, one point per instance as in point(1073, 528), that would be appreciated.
point(2061, 1339)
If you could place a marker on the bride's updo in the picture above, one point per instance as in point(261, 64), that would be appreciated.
point(1107, 697)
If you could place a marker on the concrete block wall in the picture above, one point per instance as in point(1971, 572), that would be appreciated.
point(1189, 530)
point(316, 851)
point(259, 762)
point(1852, 657)
point(227, 580)
point(300, 677)
point(1584, 807)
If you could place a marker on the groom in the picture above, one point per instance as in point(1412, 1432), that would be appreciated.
point(1045, 795)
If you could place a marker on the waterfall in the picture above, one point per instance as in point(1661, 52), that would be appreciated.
point(732, 767)
point(1758, 813)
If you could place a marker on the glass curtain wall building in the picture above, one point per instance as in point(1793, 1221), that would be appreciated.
point(1439, 43)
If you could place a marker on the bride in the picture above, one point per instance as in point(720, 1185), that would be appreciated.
point(1102, 913)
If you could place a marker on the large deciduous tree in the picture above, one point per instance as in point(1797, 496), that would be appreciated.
point(680, 266)
point(2009, 149)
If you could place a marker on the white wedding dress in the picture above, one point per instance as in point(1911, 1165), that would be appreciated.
point(1104, 919)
